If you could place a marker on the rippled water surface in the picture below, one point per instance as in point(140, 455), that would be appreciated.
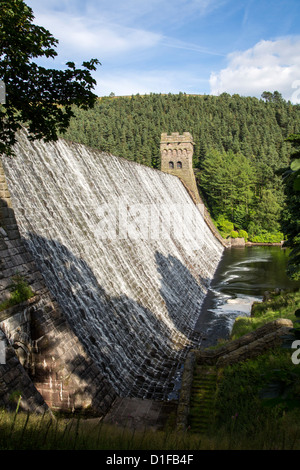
point(242, 277)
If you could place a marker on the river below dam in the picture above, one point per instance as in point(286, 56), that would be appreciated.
point(242, 277)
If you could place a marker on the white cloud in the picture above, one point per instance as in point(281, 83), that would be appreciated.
point(153, 12)
point(116, 26)
point(82, 35)
point(188, 46)
point(268, 66)
point(94, 36)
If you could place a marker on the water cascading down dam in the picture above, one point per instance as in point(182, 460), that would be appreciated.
point(125, 252)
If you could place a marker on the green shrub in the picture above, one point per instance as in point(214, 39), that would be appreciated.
point(253, 229)
point(224, 225)
point(267, 237)
point(234, 234)
point(243, 234)
point(20, 292)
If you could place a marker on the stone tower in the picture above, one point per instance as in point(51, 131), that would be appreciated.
point(177, 159)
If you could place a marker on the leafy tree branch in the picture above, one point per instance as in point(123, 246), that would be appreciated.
point(38, 97)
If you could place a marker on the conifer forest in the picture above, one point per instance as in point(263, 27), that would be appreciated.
point(240, 152)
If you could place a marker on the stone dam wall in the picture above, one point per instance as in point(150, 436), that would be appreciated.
point(119, 258)
point(44, 362)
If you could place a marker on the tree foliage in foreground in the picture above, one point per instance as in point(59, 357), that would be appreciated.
point(39, 97)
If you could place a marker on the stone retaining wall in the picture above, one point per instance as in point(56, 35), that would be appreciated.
point(237, 242)
point(249, 345)
point(48, 351)
point(15, 381)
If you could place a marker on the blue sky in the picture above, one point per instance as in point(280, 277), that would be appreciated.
point(171, 46)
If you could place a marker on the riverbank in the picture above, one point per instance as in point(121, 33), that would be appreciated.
point(256, 402)
point(241, 242)
point(263, 244)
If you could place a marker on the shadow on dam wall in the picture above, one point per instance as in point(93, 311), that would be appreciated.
point(139, 352)
point(132, 304)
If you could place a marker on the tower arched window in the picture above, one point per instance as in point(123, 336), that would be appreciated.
point(171, 165)
point(179, 165)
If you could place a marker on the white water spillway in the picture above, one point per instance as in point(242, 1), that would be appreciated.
point(125, 252)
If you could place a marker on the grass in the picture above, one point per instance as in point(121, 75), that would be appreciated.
point(31, 432)
point(257, 396)
point(279, 305)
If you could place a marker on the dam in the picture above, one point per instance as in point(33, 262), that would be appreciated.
point(126, 256)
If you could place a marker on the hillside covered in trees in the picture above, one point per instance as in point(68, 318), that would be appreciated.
point(240, 149)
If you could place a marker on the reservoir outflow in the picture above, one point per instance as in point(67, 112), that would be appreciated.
point(242, 277)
